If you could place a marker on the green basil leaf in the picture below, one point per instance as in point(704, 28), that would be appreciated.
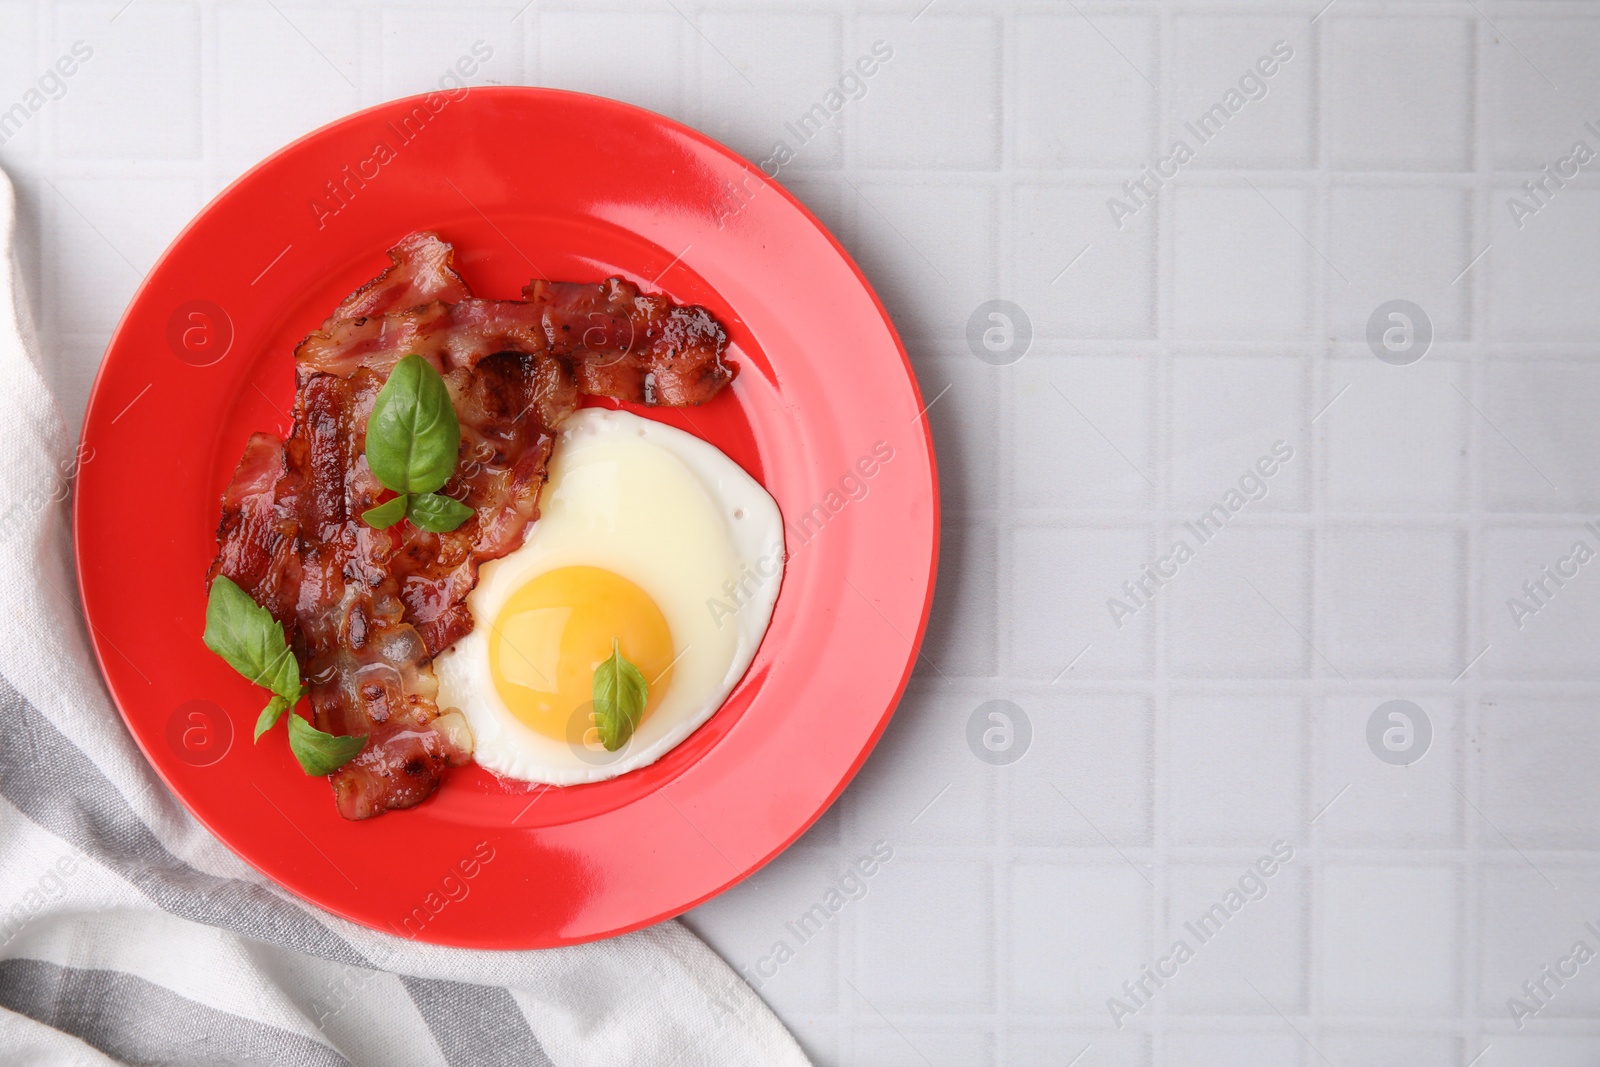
point(437, 513)
point(413, 435)
point(246, 635)
point(386, 514)
point(619, 697)
point(321, 753)
point(270, 715)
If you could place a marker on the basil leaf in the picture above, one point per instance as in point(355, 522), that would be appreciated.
point(246, 635)
point(387, 514)
point(321, 753)
point(270, 715)
point(619, 697)
point(437, 513)
point(413, 435)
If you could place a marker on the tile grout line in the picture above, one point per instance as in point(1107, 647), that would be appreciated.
point(1321, 385)
point(1003, 873)
point(1164, 371)
point(966, 177)
point(1469, 876)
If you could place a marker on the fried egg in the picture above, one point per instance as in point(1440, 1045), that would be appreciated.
point(647, 537)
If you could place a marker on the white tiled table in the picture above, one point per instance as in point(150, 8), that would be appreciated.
point(1167, 356)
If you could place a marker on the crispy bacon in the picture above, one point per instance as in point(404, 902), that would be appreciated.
point(632, 345)
point(368, 610)
point(619, 342)
point(256, 542)
point(423, 270)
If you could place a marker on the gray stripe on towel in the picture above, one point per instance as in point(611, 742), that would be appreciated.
point(476, 1025)
point(140, 1022)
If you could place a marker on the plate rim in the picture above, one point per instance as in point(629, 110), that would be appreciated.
point(705, 141)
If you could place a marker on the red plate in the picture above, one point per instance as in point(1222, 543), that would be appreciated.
point(526, 183)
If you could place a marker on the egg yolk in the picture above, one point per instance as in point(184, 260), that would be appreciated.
point(553, 632)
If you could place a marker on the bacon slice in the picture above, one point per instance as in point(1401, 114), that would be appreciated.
point(257, 542)
point(632, 345)
point(423, 270)
point(619, 342)
point(367, 610)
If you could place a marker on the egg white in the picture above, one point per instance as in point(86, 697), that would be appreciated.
point(675, 516)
